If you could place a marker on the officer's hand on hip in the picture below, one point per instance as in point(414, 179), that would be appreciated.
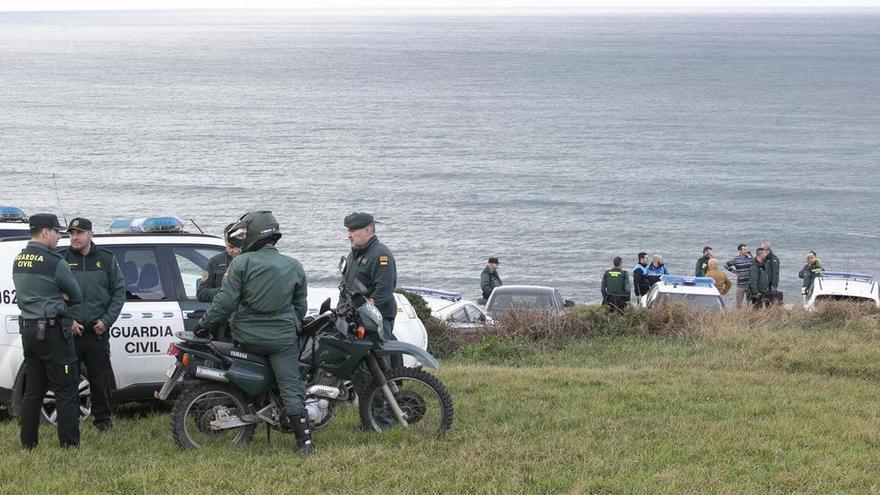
point(76, 329)
point(99, 327)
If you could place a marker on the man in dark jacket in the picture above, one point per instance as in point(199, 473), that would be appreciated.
point(103, 290)
point(759, 279)
point(703, 263)
point(772, 267)
point(641, 284)
point(615, 287)
point(490, 278)
point(50, 300)
point(212, 280)
point(266, 292)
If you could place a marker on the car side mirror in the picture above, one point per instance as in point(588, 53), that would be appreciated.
point(325, 306)
point(569, 303)
point(196, 315)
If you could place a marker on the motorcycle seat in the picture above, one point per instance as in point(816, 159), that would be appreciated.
point(229, 349)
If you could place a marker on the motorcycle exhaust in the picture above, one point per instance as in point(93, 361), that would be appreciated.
point(325, 391)
point(211, 374)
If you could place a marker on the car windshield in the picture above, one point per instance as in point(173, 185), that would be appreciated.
point(535, 300)
point(704, 301)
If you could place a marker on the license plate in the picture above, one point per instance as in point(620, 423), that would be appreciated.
point(171, 370)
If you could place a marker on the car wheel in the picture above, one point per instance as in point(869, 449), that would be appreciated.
point(49, 413)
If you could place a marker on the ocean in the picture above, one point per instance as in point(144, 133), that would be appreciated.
point(552, 142)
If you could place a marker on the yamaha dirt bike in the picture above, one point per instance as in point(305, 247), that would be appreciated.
point(228, 392)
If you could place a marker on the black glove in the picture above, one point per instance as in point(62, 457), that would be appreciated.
point(202, 332)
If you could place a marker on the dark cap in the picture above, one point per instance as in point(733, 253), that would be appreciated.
point(44, 221)
point(358, 220)
point(707, 248)
point(493, 260)
point(79, 224)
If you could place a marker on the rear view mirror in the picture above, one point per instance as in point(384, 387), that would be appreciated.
point(325, 306)
point(569, 303)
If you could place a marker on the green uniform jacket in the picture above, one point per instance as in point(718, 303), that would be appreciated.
point(488, 281)
point(702, 267)
point(773, 269)
point(615, 283)
point(810, 273)
point(40, 276)
point(210, 285)
point(374, 266)
point(759, 277)
point(101, 283)
point(266, 291)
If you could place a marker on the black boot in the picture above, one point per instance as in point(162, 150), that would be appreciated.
point(303, 433)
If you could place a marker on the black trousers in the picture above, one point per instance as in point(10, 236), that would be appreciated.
point(388, 331)
point(94, 351)
point(49, 364)
point(616, 303)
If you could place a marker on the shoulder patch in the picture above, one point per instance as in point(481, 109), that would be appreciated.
point(383, 261)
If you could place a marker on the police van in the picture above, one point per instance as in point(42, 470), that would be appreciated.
point(162, 266)
point(699, 292)
point(843, 286)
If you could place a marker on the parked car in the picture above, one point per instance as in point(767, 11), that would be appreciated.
point(459, 314)
point(841, 286)
point(699, 292)
point(407, 325)
point(509, 297)
point(13, 222)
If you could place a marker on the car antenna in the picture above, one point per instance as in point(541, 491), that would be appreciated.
point(197, 226)
point(58, 197)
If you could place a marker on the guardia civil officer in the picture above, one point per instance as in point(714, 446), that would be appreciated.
point(212, 279)
point(266, 292)
point(490, 278)
point(48, 297)
point(103, 288)
point(372, 263)
point(615, 287)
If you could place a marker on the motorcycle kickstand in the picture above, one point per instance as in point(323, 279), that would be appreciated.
point(386, 390)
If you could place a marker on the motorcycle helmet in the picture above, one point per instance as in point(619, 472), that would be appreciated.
point(253, 231)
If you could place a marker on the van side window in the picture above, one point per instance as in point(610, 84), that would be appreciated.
point(192, 262)
point(140, 268)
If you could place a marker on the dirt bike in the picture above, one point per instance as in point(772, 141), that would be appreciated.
point(228, 392)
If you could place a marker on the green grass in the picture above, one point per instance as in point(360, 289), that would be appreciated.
point(775, 411)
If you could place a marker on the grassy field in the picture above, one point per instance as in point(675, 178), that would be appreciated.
point(774, 410)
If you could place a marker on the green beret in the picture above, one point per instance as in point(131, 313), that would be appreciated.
point(358, 220)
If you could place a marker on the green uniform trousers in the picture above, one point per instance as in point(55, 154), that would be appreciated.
point(284, 359)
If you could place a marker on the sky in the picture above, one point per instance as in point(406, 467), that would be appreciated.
point(455, 5)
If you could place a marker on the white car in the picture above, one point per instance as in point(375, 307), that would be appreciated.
point(840, 286)
point(407, 325)
point(699, 292)
point(458, 314)
point(161, 274)
point(13, 222)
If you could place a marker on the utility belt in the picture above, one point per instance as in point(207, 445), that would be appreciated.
point(42, 325)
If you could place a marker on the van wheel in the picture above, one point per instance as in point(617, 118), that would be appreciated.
point(49, 413)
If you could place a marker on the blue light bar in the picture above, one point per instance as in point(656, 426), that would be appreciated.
point(157, 224)
point(440, 294)
point(688, 281)
point(12, 214)
point(852, 276)
point(121, 226)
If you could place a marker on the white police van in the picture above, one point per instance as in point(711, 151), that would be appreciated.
point(162, 266)
point(699, 292)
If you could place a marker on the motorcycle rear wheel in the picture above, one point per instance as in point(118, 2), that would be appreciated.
point(421, 396)
point(197, 406)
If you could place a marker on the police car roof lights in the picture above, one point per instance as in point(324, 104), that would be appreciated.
point(440, 294)
point(120, 226)
point(690, 281)
point(12, 214)
point(157, 224)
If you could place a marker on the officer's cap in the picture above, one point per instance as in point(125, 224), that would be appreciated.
point(358, 220)
point(493, 260)
point(44, 221)
point(79, 224)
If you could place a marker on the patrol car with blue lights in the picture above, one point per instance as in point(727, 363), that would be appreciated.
point(699, 292)
point(162, 266)
point(13, 222)
point(458, 314)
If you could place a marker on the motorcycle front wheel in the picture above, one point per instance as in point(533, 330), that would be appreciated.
point(423, 399)
point(199, 413)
